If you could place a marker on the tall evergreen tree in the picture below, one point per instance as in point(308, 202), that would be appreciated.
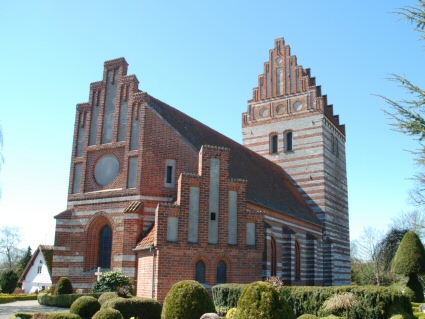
point(24, 262)
point(408, 114)
point(409, 260)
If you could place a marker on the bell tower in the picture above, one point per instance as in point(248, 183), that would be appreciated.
point(289, 122)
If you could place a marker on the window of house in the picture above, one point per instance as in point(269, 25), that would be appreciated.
point(39, 270)
point(221, 272)
point(297, 261)
point(200, 272)
point(288, 142)
point(273, 144)
point(105, 248)
point(170, 173)
point(273, 257)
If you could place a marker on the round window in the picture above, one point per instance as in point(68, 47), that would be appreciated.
point(298, 106)
point(280, 109)
point(106, 170)
point(279, 60)
point(264, 112)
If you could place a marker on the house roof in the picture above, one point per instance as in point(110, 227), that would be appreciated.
point(268, 184)
point(47, 251)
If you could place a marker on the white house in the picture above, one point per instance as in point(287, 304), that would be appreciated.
point(37, 274)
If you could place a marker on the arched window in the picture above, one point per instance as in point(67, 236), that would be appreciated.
point(200, 272)
point(221, 272)
point(297, 261)
point(273, 144)
point(288, 142)
point(273, 257)
point(105, 248)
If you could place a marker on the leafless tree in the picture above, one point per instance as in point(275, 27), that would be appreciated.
point(10, 253)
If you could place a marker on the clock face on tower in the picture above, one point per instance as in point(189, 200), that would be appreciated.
point(106, 169)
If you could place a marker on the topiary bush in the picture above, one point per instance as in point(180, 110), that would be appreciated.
point(85, 307)
point(187, 299)
point(410, 260)
point(261, 300)
point(108, 313)
point(63, 301)
point(64, 286)
point(135, 307)
point(8, 282)
point(227, 295)
point(113, 281)
point(106, 296)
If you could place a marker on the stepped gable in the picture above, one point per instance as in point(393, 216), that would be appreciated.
point(284, 78)
point(268, 184)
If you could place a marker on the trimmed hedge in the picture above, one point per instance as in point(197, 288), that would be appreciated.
point(135, 307)
point(105, 296)
point(108, 313)
point(44, 315)
point(62, 301)
point(227, 295)
point(5, 298)
point(375, 301)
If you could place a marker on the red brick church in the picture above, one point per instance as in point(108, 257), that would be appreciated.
point(162, 197)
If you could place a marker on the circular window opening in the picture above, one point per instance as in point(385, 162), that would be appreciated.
point(264, 112)
point(106, 170)
point(298, 106)
point(279, 60)
point(280, 109)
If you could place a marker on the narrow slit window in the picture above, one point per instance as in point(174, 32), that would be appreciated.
point(274, 144)
point(288, 142)
point(169, 174)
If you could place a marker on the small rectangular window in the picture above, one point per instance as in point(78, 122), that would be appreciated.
point(39, 270)
point(170, 173)
point(274, 144)
point(289, 141)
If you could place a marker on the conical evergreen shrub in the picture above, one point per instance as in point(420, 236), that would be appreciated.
point(409, 260)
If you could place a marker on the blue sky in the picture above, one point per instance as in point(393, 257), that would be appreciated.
point(204, 58)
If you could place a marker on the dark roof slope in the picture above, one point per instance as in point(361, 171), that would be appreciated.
point(268, 184)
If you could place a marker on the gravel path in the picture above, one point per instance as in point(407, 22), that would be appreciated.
point(8, 309)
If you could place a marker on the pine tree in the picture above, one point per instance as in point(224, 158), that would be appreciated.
point(24, 262)
point(409, 260)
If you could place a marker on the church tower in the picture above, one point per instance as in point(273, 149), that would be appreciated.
point(289, 122)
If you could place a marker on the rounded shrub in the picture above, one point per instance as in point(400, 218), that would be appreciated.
point(135, 307)
point(85, 307)
point(187, 299)
point(261, 300)
point(106, 296)
point(108, 313)
point(64, 286)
